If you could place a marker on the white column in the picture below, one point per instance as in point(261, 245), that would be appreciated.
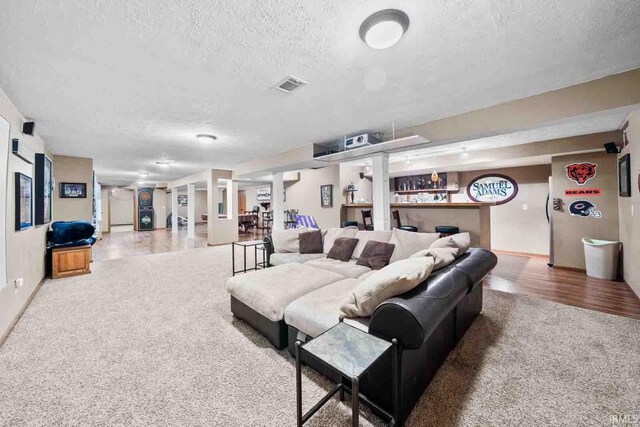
point(381, 208)
point(174, 210)
point(191, 211)
point(277, 200)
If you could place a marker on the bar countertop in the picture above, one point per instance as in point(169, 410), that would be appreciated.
point(421, 205)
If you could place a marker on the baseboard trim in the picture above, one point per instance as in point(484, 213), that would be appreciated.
point(561, 267)
point(4, 337)
point(523, 254)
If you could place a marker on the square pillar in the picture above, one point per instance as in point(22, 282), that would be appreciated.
point(277, 201)
point(381, 207)
point(221, 231)
point(174, 210)
point(191, 211)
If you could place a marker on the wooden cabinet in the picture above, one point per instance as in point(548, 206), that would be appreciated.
point(70, 261)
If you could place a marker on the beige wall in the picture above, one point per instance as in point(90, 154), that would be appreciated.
point(629, 209)
point(121, 202)
point(569, 230)
point(25, 249)
point(73, 169)
point(104, 209)
point(305, 195)
point(351, 174)
point(200, 207)
point(160, 211)
point(513, 228)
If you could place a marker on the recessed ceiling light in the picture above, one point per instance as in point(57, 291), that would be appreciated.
point(144, 173)
point(385, 28)
point(163, 163)
point(205, 137)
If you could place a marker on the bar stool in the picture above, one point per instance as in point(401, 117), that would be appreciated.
point(396, 216)
point(367, 215)
point(447, 230)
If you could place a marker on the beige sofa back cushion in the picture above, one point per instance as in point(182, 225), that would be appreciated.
point(408, 243)
point(332, 234)
point(364, 236)
point(394, 279)
point(286, 241)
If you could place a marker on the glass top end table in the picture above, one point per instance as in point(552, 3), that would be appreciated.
point(350, 352)
point(258, 245)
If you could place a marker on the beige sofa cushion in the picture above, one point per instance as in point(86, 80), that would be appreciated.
point(319, 310)
point(288, 258)
point(408, 243)
point(394, 279)
point(332, 234)
point(286, 241)
point(270, 291)
point(346, 269)
point(364, 236)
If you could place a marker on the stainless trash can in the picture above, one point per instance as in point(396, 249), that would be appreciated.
point(601, 258)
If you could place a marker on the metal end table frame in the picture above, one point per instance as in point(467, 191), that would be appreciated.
point(256, 246)
point(356, 396)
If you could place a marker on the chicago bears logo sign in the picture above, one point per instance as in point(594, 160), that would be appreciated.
point(580, 173)
point(584, 208)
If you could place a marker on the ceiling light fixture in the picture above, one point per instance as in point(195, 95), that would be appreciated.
point(385, 28)
point(205, 137)
point(163, 163)
point(144, 173)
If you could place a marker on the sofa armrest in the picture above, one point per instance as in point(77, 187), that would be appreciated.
point(414, 315)
point(268, 244)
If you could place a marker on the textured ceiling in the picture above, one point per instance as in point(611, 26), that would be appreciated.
point(130, 82)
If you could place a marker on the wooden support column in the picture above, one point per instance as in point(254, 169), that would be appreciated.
point(381, 209)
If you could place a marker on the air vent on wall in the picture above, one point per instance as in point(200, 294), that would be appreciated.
point(289, 84)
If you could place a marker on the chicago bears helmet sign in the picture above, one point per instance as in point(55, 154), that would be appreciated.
point(584, 208)
point(499, 189)
point(580, 173)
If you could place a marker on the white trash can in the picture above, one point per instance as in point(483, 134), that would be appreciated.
point(601, 257)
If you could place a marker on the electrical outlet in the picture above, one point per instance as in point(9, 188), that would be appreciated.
point(525, 207)
point(18, 282)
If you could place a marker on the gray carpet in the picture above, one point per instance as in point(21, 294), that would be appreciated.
point(151, 341)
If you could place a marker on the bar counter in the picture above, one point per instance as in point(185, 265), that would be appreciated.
point(474, 218)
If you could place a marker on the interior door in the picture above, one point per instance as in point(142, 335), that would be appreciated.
point(242, 201)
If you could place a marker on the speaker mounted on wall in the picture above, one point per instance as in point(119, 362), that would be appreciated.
point(612, 148)
point(28, 128)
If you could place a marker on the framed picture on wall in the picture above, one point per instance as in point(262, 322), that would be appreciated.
point(263, 194)
point(24, 201)
point(73, 190)
point(326, 196)
point(42, 189)
point(624, 175)
point(183, 200)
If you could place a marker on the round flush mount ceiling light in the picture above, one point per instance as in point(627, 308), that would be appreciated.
point(143, 174)
point(163, 163)
point(204, 137)
point(385, 28)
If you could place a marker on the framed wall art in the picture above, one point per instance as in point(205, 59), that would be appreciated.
point(24, 201)
point(624, 175)
point(42, 189)
point(73, 190)
point(326, 196)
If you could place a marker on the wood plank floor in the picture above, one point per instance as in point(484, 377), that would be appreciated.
point(525, 275)
point(530, 275)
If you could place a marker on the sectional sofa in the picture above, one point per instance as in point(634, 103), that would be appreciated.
point(300, 297)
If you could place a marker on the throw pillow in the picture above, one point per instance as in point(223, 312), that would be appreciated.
point(392, 280)
point(376, 254)
point(408, 243)
point(334, 233)
point(365, 235)
point(342, 249)
point(310, 242)
point(460, 242)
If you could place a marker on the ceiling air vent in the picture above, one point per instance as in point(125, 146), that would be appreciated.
point(289, 84)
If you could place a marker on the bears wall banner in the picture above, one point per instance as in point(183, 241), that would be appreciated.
point(580, 173)
point(583, 192)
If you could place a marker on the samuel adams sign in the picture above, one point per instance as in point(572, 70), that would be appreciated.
point(495, 188)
